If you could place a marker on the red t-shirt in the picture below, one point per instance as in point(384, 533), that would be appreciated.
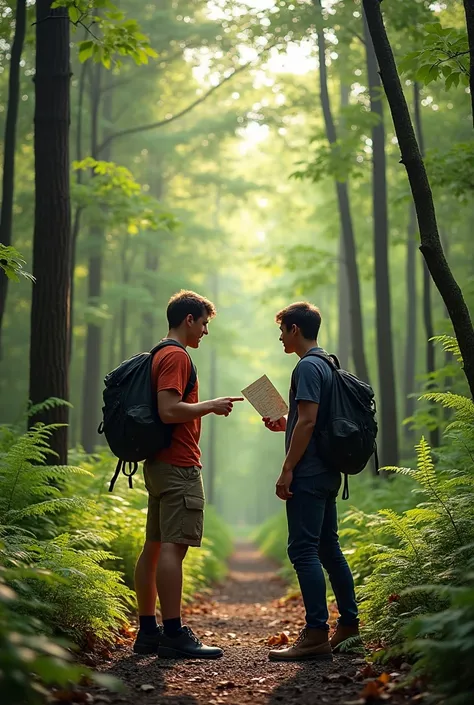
point(171, 370)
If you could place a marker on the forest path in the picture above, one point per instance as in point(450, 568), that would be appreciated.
point(239, 617)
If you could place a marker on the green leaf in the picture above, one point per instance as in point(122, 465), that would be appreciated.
point(85, 50)
point(452, 80)
point(74, 14)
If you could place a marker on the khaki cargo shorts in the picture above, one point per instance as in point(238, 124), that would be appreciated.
point(175, 503)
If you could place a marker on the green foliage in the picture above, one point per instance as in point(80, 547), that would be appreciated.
point(112, 34)
point(452, 169)
point(11, 261)
point(24, 650)
point(443, 642)
point(345, 158)
point(120, 197)
point(64, 547)
point(444, 55)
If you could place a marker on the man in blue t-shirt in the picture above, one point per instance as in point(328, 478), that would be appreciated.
point(310, 489)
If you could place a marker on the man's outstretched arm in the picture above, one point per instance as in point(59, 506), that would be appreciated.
point(172, 409)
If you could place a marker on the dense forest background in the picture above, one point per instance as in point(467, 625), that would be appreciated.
point(257, 152)
point(230, 190)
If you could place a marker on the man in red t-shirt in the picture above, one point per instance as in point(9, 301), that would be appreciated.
point(175, 489)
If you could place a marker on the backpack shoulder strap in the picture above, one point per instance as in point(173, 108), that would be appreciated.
point(168, 342)
point(331, 359)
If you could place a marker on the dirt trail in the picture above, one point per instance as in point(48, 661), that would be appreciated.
point(239, 617)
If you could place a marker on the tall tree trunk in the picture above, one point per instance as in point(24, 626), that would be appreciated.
point(92, 371)
point(386, 367)
point(211, 450)
point(152, 261)
point(427, 305)
point(411, 311)
point(344, 319)
point(344, 214)
point(52, 232)
point(431, 247)
point(469, 12)
point(78, 212)
point(8, 184)
point(124, 302)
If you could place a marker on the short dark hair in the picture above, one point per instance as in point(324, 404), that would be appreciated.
point(188, 302)
point(304, 315)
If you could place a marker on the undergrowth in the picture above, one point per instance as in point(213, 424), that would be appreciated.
point(412, 560)
point(67, 554)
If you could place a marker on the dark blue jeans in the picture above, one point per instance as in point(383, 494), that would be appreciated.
point(313, 543)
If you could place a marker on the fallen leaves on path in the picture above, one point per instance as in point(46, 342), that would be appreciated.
point(278, 639)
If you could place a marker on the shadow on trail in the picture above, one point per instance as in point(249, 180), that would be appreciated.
point(136, 671)
point(318, 682)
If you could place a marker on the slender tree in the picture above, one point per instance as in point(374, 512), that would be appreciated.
point(49, 361)
point(344, 319)
point(100, 110)
point(411, 319)
point(427, 303)
point(8, 182)
point(344, 213)
point(383, 305)
point(152, 263)
point(469, 12)
point(431, 246)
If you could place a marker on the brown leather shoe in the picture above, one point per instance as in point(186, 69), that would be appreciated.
point(343, 633)
point(311, 645)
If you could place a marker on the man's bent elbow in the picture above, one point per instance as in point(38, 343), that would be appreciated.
point(307, 424)
point(166, 415)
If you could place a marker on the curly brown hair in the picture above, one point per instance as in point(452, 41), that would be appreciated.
point(188, 302)
point(304, 315)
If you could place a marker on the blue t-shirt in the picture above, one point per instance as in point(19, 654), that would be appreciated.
point(312, 382)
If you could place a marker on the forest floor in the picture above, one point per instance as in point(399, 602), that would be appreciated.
point(241, 616)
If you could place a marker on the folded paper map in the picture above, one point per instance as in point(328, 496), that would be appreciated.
point(265, 398)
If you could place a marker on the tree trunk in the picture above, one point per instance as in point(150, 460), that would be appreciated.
point(124, 303)
point(211, 450)
point(345, 217)
point(152, 261)
point(8, 184)
point(427, 305)
point(386, 367)
point(431, 247)
point(92, 371)
point(411, 311)
point(52, 231)
point(344, 320)
point(77, 215)
point(469, 12)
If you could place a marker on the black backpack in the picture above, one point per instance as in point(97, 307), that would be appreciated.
point(131, 423)
point(348, 440)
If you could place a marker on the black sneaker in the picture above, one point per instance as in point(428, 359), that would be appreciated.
point(147, 643)
point(186, 645)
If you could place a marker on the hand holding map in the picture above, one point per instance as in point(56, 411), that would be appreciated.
point(266, 399)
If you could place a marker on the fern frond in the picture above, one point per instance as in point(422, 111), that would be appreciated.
point(450, 345)
point(51, 506)
point(47, 405)
point(462, 405)
point(425, 472)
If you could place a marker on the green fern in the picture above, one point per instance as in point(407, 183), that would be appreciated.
point(463, 406)
point(450, 345)
point(47, 405)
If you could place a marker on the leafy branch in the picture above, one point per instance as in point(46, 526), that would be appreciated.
point(184, 111)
